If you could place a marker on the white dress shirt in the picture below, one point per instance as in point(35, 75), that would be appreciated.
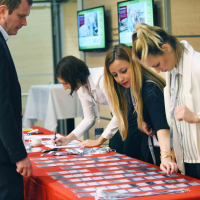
point(190, 154)
point(96, 81)
point(4, 33)
point(190, 87)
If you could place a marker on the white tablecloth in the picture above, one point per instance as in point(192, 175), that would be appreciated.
point(49, 103)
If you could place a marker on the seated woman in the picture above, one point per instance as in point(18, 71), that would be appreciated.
point(74, 74)
point(181, 62)
point(121, 74)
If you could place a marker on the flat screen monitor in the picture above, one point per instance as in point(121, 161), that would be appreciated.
point(91, 29)
point(130, 13)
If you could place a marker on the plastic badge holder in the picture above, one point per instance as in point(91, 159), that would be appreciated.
point(98, 132)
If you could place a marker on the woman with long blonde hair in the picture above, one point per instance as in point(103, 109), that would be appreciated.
point(164, 52)
point(121, 75)
point(75, 75)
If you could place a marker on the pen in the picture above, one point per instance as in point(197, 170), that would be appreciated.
point(33, 131)
point(37, 133)
point(55, 137)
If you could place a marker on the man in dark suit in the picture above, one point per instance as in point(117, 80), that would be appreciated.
point(14, 162)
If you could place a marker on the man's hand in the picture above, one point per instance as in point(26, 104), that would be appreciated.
point(147, 130)
point(24, 167)
point(183, 113)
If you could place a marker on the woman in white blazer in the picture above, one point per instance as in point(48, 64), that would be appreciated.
point(163, 52)
point(74, 74)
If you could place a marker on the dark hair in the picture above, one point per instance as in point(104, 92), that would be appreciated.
point(73, 71)
point(13, 4)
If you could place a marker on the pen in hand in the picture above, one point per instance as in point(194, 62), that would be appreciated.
point(55, 138)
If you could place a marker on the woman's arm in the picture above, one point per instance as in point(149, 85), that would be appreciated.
point(167, 162)
point(60, 141)
point(183, 113)
point(92, 143)
point(112, 127)
point(84, 126)
point(154, 105)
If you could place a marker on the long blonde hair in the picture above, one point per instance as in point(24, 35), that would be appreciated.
point(150, 39)
point(115, 91)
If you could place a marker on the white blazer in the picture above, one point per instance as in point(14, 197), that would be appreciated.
point(96, 80)
point(191, 90)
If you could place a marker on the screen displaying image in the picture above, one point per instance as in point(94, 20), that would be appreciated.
point(91, 29)
point(130, 13)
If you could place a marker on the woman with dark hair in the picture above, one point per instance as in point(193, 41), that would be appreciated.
point(74, 74)
point(163, 52)
point(123, 75)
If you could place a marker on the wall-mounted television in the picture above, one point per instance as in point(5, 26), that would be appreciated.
point(130, 13)
point(91, 29)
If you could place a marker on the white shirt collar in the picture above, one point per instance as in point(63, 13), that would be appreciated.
point(92, 86)
point(180, 68)
point(4, 33)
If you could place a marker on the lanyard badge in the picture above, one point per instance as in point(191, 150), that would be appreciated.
point(149, 137)
point(174, 97)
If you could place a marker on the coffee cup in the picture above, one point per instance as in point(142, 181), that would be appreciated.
point(36, 142)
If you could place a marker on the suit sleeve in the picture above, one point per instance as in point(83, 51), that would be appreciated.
point(10, 135)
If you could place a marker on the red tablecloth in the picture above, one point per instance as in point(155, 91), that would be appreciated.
point(40, 186)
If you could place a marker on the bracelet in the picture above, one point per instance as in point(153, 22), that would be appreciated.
point(166, 154)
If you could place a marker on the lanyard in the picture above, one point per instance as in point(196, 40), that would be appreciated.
point(174, 99)
point(149, 137)
point(93, 104)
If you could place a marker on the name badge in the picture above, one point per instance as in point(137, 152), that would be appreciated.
point(98, 132)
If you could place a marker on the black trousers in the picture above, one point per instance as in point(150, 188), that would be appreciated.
point(192, 169)
point(11, 183)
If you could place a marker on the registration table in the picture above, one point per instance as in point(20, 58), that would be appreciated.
point(71, 177)
point(50, 103)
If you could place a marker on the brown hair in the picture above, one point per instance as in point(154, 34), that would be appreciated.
point(73, 71)
point(13, 4)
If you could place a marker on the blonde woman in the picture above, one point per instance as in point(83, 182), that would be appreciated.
point(122, 73)
point(181, 62)
point(75, 75)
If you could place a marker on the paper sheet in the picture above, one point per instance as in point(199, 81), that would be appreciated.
point(49, 144)
point(27, 137)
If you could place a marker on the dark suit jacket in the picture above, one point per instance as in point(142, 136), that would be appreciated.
point(11, 145)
